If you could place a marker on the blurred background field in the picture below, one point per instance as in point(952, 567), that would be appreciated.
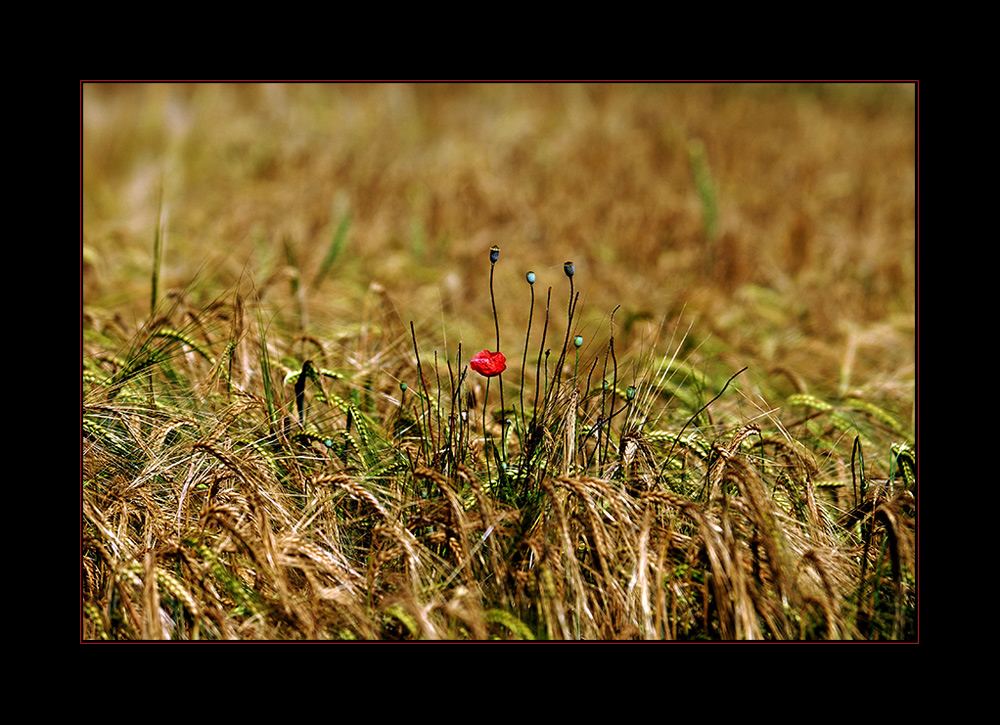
point(780, 218)
point(254, 469)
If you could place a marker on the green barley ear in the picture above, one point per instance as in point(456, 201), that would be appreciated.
point(157, 253)
point(298, 291)
point(878, 414)
point(265, 370)
point(699, 412)
point(300, 391)
point(335, 248)
point(398, 612)
point(705, 187)
point(93, 612)
point(857, 455)
point(906, 460)
point(516, 627)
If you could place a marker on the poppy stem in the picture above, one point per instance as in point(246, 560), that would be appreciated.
point(553, 393)
point(426, 396)
point(530, 276)
point(614, 387)
point(487, 438)
point(496, 322)
point(538, 365)
point(494, 255)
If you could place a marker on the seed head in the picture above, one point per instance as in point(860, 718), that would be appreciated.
point(494, 254)
point(569, 269)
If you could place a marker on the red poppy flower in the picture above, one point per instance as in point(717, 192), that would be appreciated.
point(488, 363)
